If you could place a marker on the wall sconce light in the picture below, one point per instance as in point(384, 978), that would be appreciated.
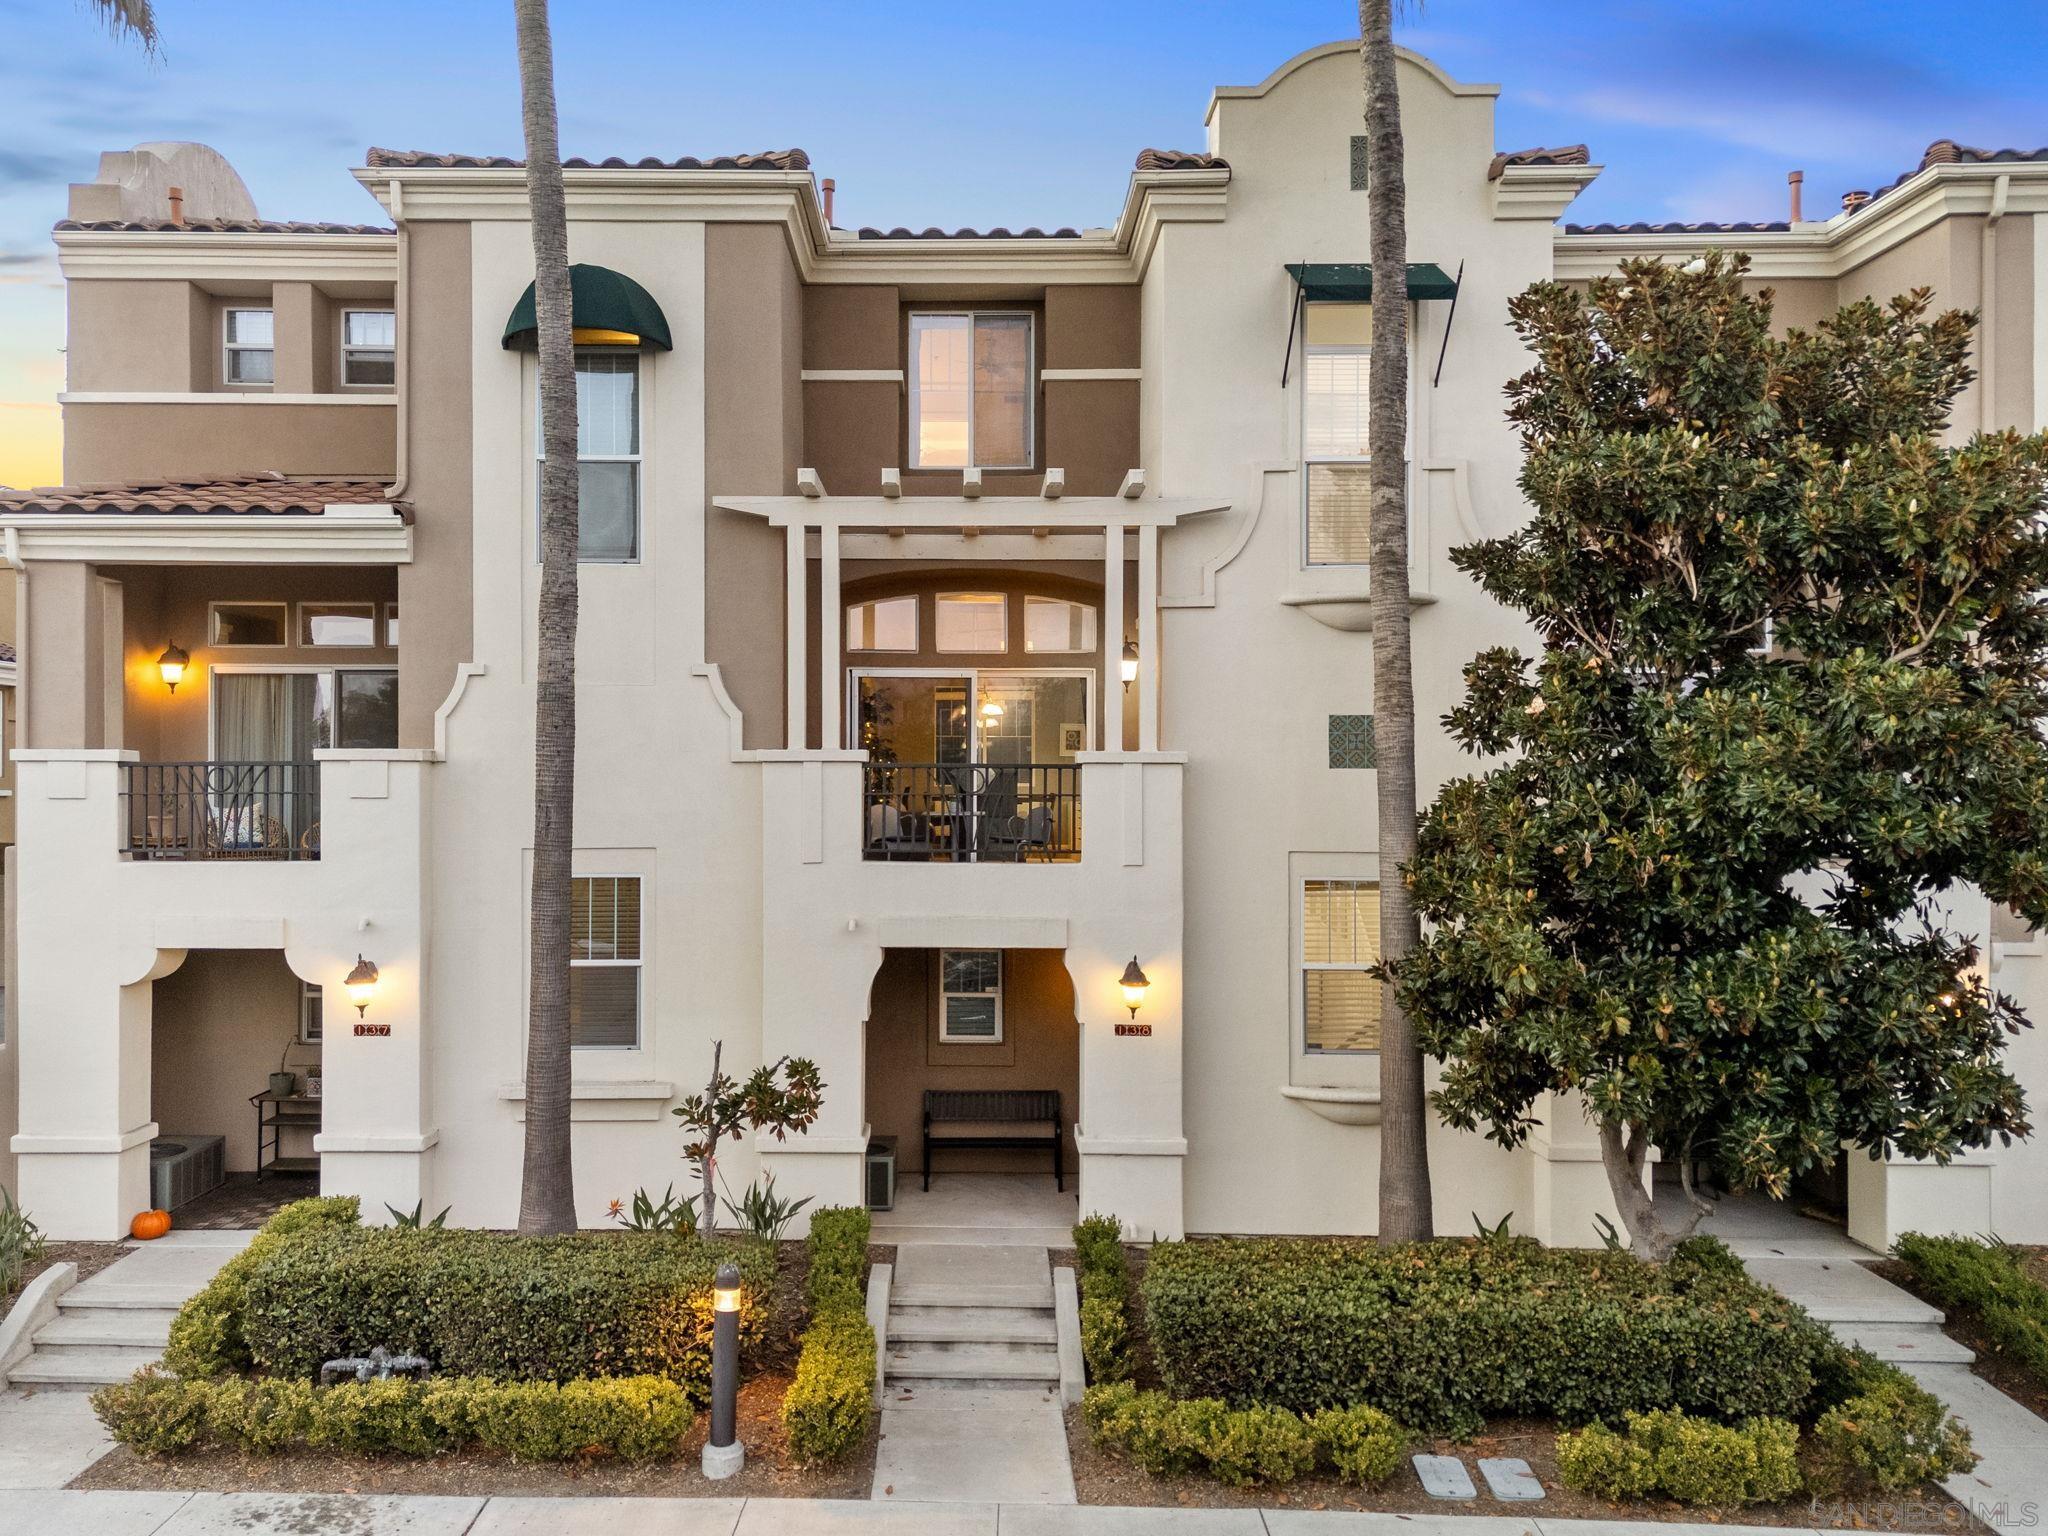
point(724, 1455)
point(991, 710)
point(1134, 984)
point(171, 665)
point(362, 984)
point(1129, 664)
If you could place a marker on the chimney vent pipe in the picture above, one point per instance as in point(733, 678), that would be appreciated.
point(1851, 201)
point(177, 200)
point(828, 186)
point(1796, 180)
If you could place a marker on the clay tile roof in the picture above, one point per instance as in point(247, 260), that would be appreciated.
point(1949, 152)
point(1562, 154)
point(6, 652)
point(1179, 160)
point(869, 232)
point(1774, 227)
point(227, 226)
point(185, 498)
point(769, 160)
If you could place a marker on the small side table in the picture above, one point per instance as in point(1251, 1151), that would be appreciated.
point(277, 1113)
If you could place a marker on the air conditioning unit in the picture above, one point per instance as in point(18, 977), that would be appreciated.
point(882, 1173)
point(182, 1168)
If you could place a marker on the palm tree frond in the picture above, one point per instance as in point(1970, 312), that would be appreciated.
point(129, 18)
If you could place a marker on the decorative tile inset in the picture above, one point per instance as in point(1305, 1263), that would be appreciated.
point(1359, 161)
point(1351, 742)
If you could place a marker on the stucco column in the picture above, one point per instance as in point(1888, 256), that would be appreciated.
point(1113, 633)
point(831, 622)
point(295, 312)
point(377, 1135)
point(81, 1004)
point(1148, 638)
point(1568, 1189)
point(796, 602)
point(60, 655)
point(1128, 1129)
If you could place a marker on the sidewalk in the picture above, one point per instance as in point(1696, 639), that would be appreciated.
point(235, 1514)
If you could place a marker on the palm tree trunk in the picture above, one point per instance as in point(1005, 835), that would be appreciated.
point(1405, 1205)
point(547, 1191)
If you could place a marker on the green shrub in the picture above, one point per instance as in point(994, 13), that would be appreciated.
point(21, 1243)
point(1360, 1444)
point(209, 1334)
point(1241, 1446)
point(1446, 1335)
point(499, 1304)
point(1103, 1277)
point(1886, 1433)
point(1694, 1461)
point(635, 1417)
point(838, 1247)
point(1988, 1281)
point(825, 1411)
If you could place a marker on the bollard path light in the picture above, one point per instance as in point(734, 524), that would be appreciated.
point(723, 1453)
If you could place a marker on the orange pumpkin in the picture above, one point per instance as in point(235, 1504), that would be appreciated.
point(150, 1225)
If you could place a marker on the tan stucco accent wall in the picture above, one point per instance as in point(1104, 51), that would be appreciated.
point(2016, 298)
point(1798, 303)
point(141, 334)
point(753, 433)
point(435, 591)
point(174, 441)
point(1040, 1049)
point(162, 606)
point(222, 1021)
point(61, 655)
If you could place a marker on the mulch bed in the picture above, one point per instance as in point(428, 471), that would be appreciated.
point(1103, 1478)
point(769, 1472)
point(90, 1258)
point(2014, 1380)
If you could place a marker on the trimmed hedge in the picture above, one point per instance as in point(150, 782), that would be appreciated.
point(208, 1335)
point(1883, 1432)
point(1103, 1277)
point(499, 1305)
point(1987, 1280)
point(1694, 1461)
point(634, 1417)
point(1240, 1446)
point(1446, 1335)
point(825, 1411)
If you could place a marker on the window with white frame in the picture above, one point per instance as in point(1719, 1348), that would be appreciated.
point(970, 390)
point(369, 347)
point(1054, 624)
point(607, 457)
point(1336, 455)
point(885, 624)
point(1340, 938)
point(391, 625)
point(338, 624)
point(310, 1022)
point(972, 622)
point(604, 962)
point(970, 997)
point(251, 347)
point(237, 624)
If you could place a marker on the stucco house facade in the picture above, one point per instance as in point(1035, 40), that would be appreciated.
point(968, 619)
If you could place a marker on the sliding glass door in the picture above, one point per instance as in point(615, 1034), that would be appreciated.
point(264, 790)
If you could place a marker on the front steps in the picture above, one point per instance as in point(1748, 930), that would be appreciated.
point(977, 1319)
point(95, 1339)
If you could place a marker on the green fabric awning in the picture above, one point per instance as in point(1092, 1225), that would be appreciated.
point(599, 300)
point(1350, 282)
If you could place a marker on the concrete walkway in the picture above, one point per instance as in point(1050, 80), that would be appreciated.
point(1818, 1267)
point(238, 1514)
point(971, 1408)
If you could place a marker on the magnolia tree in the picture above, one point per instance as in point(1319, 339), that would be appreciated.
point(1794, 663)
point(782, 1097)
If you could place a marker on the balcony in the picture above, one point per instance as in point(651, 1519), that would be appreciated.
point(229, 811)
point(971, 813)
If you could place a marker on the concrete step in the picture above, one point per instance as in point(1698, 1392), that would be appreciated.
point(128, 1298)
point(972, 1325)
point(1033, 1295)
point(944, 1397)
point(1919, 1344)
point(85, 1368)
point(975, 1365)
point(109, 1328)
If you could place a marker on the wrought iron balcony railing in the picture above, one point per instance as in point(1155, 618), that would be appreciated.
point(959, 813)
point(235, 811)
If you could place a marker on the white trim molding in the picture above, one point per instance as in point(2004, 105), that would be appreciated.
point(1079, 375)
point(338, 535)
point(851, 375)
point(357, 396)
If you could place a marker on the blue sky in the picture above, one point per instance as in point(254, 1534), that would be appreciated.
point(966, 113)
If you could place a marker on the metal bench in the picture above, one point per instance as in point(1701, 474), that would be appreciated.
point(1001, 1116)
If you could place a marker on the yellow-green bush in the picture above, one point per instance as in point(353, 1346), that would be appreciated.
point(1103, 1278)
point(635, 1417)
point(1889, 1433)
point(208, 1335)
point(1694, 1461)
point(825, 1411)
point(1241, 1446)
